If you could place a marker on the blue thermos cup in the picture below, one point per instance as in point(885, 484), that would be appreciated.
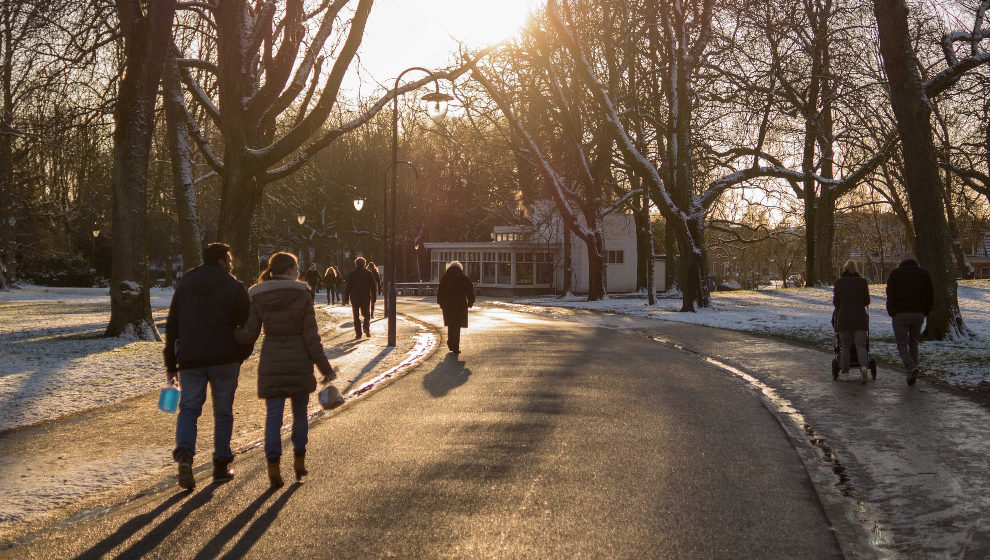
point(168, 399)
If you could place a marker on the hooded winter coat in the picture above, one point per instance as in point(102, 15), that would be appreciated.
point(909, 289)
point(207, 306)
point(292, 346)
point(851, 297)
point(455, 295)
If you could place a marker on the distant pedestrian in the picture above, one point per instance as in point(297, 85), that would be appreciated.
point(3, 269)
point(378, 282)
point(313, 280)
point(360, 289)
point(291, 348)
point(201, 350)
point(330, 282)
point(851, 297)
point(455, 296)
point(910, 296)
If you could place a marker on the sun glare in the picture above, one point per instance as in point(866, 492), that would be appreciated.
point(482, 22)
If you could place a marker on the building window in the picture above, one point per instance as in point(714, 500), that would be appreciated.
point(474, 271)
point(614, 257)
point(524, 273)
point(504, 273)
point(488, 273)
point(984, 272)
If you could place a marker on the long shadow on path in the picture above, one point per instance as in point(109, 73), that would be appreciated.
point(447, 376)
point(157, 535)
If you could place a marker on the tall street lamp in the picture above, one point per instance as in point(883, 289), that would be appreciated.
point(437, 110)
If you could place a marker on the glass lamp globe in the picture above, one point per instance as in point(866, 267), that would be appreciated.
point(96, 233)
point(301, 219)
point(436, 105)
point(358, 204)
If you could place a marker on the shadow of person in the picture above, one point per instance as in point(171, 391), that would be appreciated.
point(158, 534)
point(448, 375)
point(261, 524)
point(229, 531)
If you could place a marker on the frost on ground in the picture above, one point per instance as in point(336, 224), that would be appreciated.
point(54, 360)
point(804, 314)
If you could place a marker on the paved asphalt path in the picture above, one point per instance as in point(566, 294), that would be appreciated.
point(543, 439)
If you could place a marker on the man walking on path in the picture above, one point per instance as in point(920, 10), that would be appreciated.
point(360, 289)
point(313, 280)
point(910, 296)
point(455, 295)
point(200, 349)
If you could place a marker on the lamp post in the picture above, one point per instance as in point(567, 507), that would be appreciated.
point(437, 110)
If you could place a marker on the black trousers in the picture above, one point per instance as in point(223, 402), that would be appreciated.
point(454, 338)
point(364, 310)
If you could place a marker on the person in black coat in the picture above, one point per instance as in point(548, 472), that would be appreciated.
point(313, 280)
point(455, 296)
point(201, 350)
point(910, 296)
point(360, 288)
point(851, 297)
point(378, 281)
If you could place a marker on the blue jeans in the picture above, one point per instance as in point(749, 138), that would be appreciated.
point(273, 426)
point(907, 334)
point(223, 384)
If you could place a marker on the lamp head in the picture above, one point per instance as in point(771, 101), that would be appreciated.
point(301, 218)
point(358, 204)
point(436, 105)
point(96, 233)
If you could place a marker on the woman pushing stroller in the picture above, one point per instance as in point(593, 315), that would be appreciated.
point(850, 298)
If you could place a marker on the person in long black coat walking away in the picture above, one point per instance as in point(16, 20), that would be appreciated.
point(851, 297)
point(455, 296)
point(910, 296)
point(313, 280)
point(360, 289)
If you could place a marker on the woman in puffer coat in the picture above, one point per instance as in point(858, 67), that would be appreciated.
point(283, 306)
point(851, 297)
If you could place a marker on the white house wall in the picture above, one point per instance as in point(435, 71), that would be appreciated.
point(619, 231)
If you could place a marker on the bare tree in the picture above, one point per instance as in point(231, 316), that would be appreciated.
point(146, 40)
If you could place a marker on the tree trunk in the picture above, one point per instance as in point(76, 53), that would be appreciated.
point(184, 188)
point(146, 40)
point(912, 111)
point(596, 264)
point(8, 196)
point(568, 272)
point(963, 266)
point(671, 275)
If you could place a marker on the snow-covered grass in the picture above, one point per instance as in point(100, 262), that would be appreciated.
point(804, 314)
point(54, 360)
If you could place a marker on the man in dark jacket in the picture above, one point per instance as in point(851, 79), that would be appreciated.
point(455, 295)
point(200, 350)
point(313, 280)
point(910, 296)
point(360, 288)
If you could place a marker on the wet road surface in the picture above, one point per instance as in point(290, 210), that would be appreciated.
point(544, 439)
point(912, 464)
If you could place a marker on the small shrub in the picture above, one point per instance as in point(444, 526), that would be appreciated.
point(70, 271)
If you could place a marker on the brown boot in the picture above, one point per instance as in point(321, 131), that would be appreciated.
point(299, 463)
point(275, 473)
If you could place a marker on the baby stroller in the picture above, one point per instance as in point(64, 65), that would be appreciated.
point(853, 358)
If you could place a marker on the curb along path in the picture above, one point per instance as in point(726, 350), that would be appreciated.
point(86, 463)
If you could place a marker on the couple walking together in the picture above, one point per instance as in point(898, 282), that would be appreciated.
point(910, 296)
point(213, 323)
